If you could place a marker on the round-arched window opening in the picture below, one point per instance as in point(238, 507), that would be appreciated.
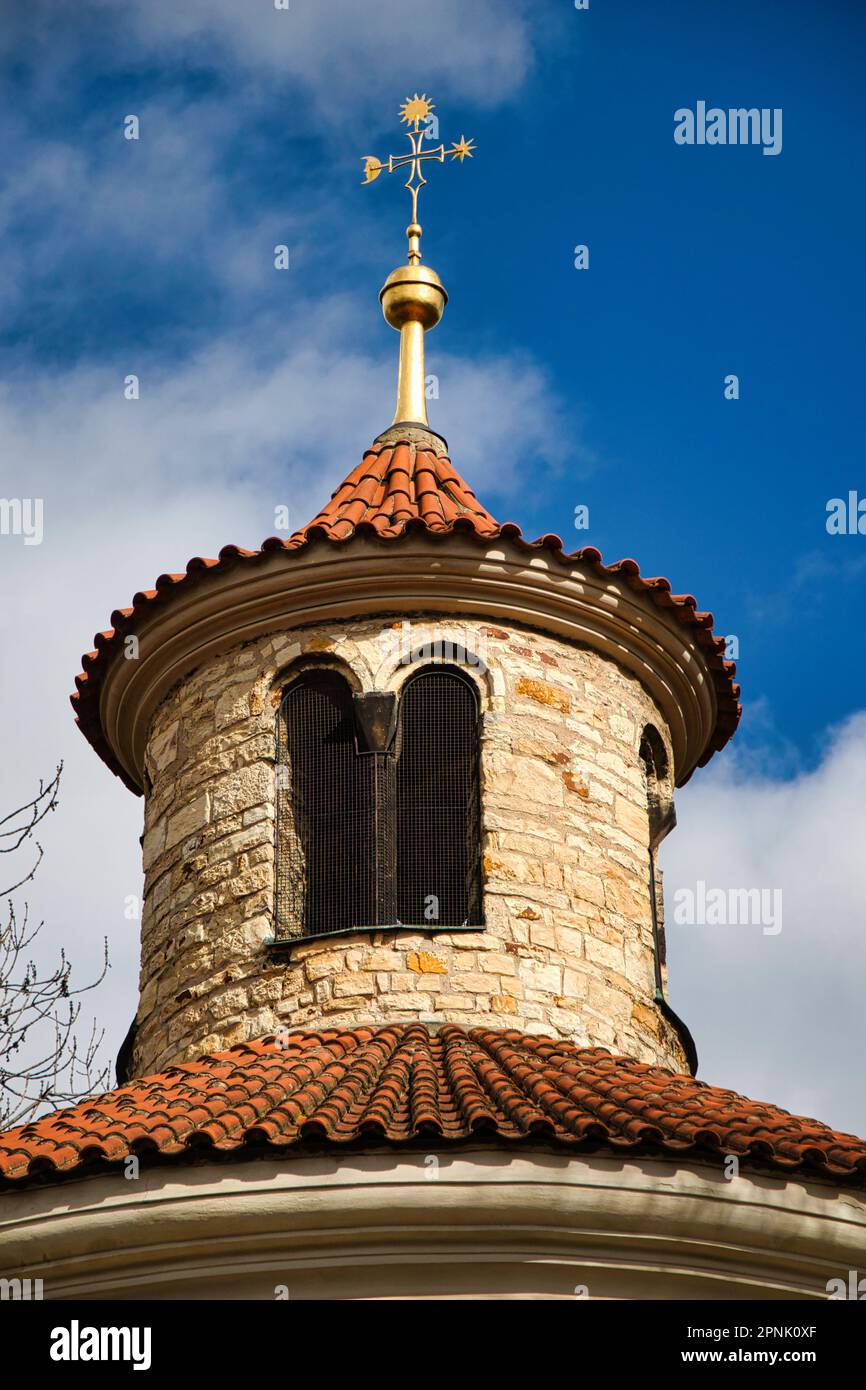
point(378, 816)
point(438, 816)
point(325, 797)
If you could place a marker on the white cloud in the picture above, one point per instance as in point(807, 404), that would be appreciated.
point(81, 203)
point(346, 52)
point(342, 54)
point(778, 1017)
point(90, 204)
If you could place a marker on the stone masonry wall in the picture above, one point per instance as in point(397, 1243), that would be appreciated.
point(567, 946)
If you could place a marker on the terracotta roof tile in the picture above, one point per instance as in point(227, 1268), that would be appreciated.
point(399, 489)
point(394, 484)
point(404, 1085)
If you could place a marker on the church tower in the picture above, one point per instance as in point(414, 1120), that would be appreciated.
point(406, 765)
point(405, 774)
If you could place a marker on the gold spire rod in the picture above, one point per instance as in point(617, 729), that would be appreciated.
point(413, 297)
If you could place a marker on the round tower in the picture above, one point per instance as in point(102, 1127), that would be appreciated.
point(560, 935)
point(587, 693)
point(405, 765)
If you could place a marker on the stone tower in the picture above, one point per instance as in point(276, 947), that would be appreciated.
point(596, 690)
point(592, 693)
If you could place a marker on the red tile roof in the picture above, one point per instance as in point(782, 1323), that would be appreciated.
point(405, 1085)
point(393, 485)
point(401, 488)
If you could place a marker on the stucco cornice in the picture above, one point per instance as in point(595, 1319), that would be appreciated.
point(479, 1223)
point(496, 581)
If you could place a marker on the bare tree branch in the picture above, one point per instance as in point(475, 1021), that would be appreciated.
point(42, 1063)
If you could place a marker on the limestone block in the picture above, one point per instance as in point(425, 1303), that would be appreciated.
point(382, 958)
point(575, 984)
point(411, 1002)
point(543, 935)
point(537, 975)
point(232, 706)
point(470, 983)
point(232, 1001)
point(147, 999)
point(588, 887)
point(543, 693)
point(462, 941)
point(188, 820)
point(497, 963)
point(632, 819)
point(162, 749)
point(425, 963)
point(352, 982)
point(154, 842)
point(243, 788)
point(604, 954)
point(326, 963)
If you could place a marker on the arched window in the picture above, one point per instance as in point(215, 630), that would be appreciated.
point(660, 805)
point(325, 800)
point(662, 818)
point(437, 794)
point(378, 810)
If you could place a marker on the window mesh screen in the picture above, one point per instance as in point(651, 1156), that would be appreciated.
point(437, 802)
point(327, 800)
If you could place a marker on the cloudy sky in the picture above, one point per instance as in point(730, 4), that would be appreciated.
point(605, 387)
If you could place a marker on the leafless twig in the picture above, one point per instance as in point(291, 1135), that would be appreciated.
point(42, 1063)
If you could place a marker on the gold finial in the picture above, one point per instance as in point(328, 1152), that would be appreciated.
point(413, 297)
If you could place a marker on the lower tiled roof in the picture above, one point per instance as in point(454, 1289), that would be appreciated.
point(404, 1085)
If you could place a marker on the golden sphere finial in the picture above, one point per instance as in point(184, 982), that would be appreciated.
point(413, 299)
point(413, 294)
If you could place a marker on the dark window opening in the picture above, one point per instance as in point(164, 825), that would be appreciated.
point(437, 801)
point(326, 797)
point(662, 819)
point(372, 829)
point(660, 805)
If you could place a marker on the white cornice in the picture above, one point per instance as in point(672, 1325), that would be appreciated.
point(497, 581)
point(481, 1223)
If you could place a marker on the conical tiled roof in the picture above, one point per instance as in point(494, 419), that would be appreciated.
point(395, 483)
point(407, 1084)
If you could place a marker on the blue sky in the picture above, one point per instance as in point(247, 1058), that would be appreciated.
point(557, 386)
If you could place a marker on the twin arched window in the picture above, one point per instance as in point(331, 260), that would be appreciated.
point(378, 820)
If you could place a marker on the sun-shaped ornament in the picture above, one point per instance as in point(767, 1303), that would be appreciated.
point(415, 110)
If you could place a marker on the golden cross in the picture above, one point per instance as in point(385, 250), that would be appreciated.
point(413, 111)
